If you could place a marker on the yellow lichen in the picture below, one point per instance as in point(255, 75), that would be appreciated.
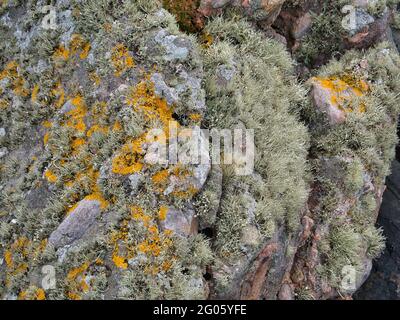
point(50, 176)
point(61, 53)
point(129, 158)
point(162, 213)
point(344, 90)
point(121, 60)
point(120, 262)
point(77, 115)
point(34, 94)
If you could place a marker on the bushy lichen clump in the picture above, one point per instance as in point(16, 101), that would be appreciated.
point(250, 84)
point(82, 98)
point(351, 157)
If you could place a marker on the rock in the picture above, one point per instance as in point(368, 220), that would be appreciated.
point(176, 48)
point(76, 224)
point(286, 292)
point(301, 26)
point(3, 152)
point(322, 99)
point(368, 32)
point(259, 10)
point(181, 222)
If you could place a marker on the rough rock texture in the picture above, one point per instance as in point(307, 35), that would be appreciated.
point(87, 188)
point(383, 283)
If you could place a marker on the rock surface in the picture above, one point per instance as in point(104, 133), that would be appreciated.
point(99, 117)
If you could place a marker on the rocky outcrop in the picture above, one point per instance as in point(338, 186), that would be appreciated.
point(106, 177)
point(383, 283)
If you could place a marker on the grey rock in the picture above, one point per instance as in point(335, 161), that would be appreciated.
point(75, 224)
point(176, 48)
point(181, 222)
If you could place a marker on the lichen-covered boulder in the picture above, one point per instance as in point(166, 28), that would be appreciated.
point(84, 189)
point(350, 160)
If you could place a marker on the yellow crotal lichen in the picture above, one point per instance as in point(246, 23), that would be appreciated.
point(129, 158)
point(76, 117)
point(20, 255)
point(16, 82)
point(152, 246)
point(58, 93)
point(50, 176)
point(121, 60)
point(35, 92)
point(77, 45)
point(95, 195)
point(162, 213)
point(76, 281)
point(143, 99)
point(343, 91)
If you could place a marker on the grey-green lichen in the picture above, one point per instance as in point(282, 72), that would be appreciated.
point(250, 84)
point(351, 159)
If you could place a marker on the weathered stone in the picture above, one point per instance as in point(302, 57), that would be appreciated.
point(181, 222)
point(76, 223)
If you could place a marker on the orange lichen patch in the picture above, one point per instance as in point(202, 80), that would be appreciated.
point(17, 82)
point(343, 91)
point(74, 296)
point(77, 45)
point(76, 281)
point(206, 40)
point(8, 258)
point(186, 194)
point(58, 93)
point(117, 126)
point(120, 262)
point(22, 295)
point(37, 294)
point(71, 209)
point(4, 104)
point(40, 294)
point(98, 128)
point(129, 158)
point(121, 60)
point(47, 124)
point(46, 138)
point(76, 144)
point(77, 115)
point(35, 93)
point(197, 117)
point(61, 53)
point(78, 271)
point(20, 254)
point(160, 176)
point(50, 176)
point(85, 51)
point(162, 213)
point(143, 99)
point(96, 194)
point(139, 215)
point(154, 245)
